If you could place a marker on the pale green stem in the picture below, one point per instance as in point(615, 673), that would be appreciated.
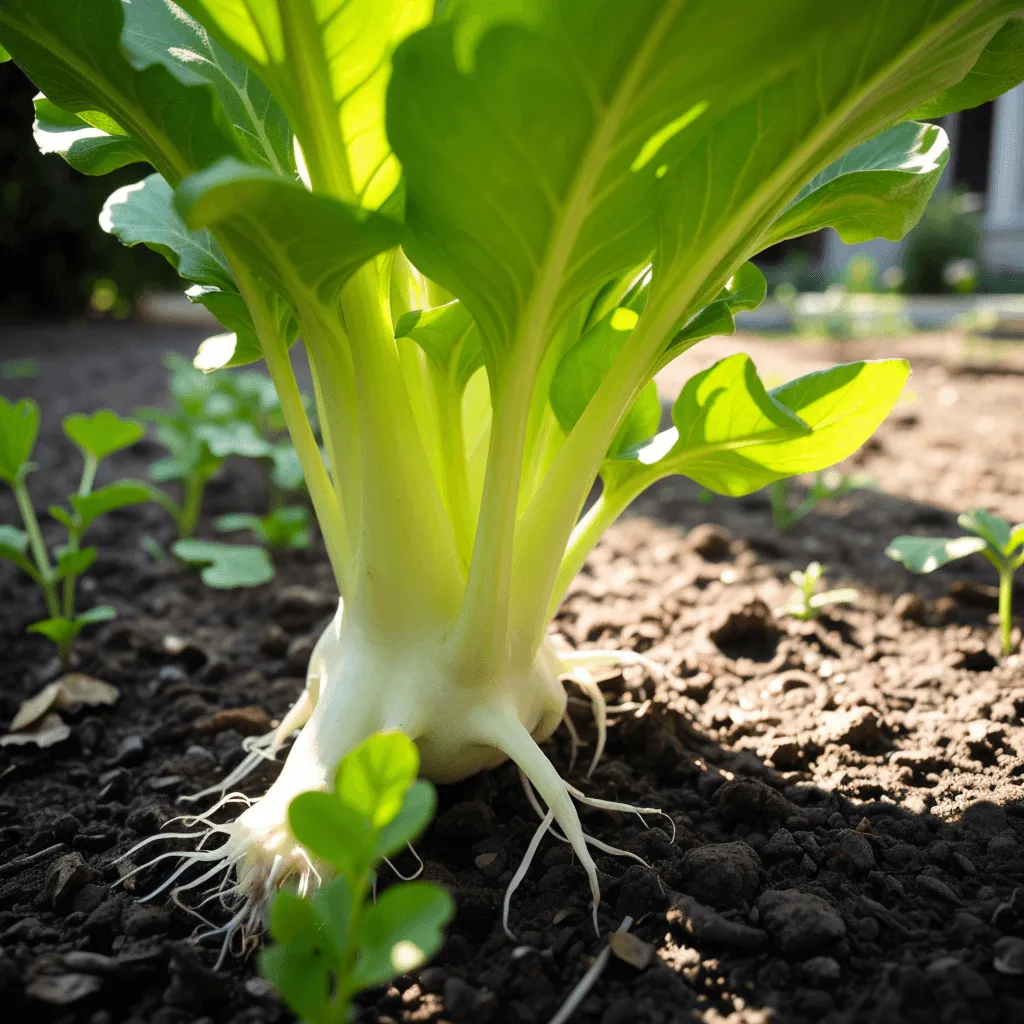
point(38, 546)
point(1006, 607)
point(74, 536)
point(448, 403)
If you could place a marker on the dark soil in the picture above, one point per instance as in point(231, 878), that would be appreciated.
point(847, 792)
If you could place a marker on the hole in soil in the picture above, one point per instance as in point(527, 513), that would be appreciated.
point(748, 633)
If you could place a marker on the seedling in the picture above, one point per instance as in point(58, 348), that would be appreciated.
point(329, 949)
point(96, 436)
point(226, 566)
point(286, 526)
point(804, 603)
point(993, 537)
point(492, 224)
point(827, 484)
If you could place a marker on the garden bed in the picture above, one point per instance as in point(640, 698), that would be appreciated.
point(847, 792)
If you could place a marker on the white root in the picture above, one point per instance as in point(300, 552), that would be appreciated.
point(524, 866)
point(586, 682)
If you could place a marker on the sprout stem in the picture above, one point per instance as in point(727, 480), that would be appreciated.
point(1006, 607)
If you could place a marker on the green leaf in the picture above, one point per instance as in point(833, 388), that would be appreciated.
point(999, 68)
point(160, 32)
point(287, 526)
point(102, 433)
point(300, 242)
point(71, 50)
point(236, 437)
point(373, 777)
point(586, 364)
point(926, 554)
point(418, 807)
point(240, 521)
point(4, 56)
point(448, 334)
point(1016, 537)
point(333, 905)
point(86, 148)
point(100, 613)
point(19, 427)
point(59, 630)
point(877, 190)
point(287, 471)
point(228, 566)
point(74, 563)
point(733, 437)
point(745, 290)
point(401, 931)
point(994, 529)
point(300, 967)
point(328, 63)
point(14, 548)
point(332, 831)
point(144, 212)
point(90, 507)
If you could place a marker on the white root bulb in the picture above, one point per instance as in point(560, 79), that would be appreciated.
point(459, 729)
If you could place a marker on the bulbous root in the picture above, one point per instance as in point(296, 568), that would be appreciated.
point(259, 855)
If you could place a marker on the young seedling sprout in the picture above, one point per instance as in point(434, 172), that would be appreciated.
point(804, 603)
point(491, 225)
point(56, 572)
point(827, 484)
point(993, 537)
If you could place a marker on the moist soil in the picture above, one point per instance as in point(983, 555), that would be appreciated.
point(846, 792)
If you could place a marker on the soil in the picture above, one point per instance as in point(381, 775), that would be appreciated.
point(846, 792)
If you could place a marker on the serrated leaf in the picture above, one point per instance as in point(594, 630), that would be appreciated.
point(227, 566)
point(102, 433)
point(90, 507)
point(19, 427)
point(994, 529)
point(71, 50)
point(86, 148)
point(877, 190)
point(734, 437)
point(586, 364)
point(999, 68)
point(401, 931)
point(417, 809)
point(373, 777)
point(332, 831)
point(160, 32)
point(926, 554)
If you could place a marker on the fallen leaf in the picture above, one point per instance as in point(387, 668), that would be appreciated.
point(62, 989)
point(51, 730)
point(70, 691)
point(631, 950)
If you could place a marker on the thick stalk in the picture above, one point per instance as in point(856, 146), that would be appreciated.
point(448, 405)
point(1006, 607)
point(36, 543)
point(408, 562)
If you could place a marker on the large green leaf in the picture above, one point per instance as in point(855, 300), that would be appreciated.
point(328, 63)
point(734, 437)
point(302, 243)
point(999, 68)
point(71, 49)
point(160, 32)
point(88, 149)
point(19, 427)
point(877, 190)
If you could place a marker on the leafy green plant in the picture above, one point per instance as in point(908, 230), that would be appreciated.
point(806, 603)
point(492, 225)
point(286, 526)
point(827, 484)
point(993, 537)
point(329, 949)
point(57, 572)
